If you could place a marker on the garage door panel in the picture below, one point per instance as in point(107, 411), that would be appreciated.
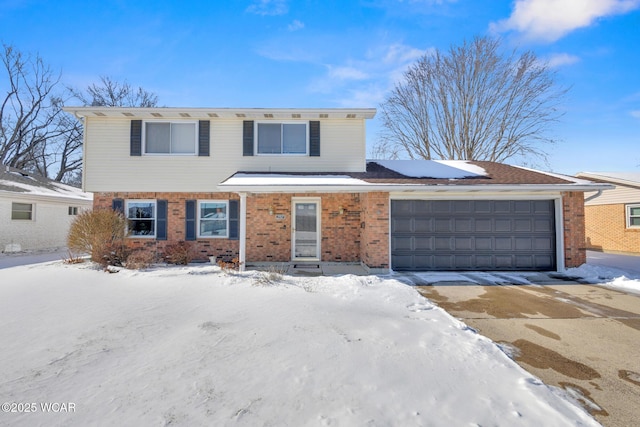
point(473, 234)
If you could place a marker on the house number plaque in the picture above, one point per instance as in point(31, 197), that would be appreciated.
point(280, 217)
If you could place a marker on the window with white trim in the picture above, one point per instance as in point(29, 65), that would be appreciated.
point(141, 218)
point(73, 210)
point(213, 218)
point(633, 216)
point(22, 211)
point(170, 138)
point(282, 138)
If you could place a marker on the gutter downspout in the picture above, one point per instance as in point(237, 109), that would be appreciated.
point(243, 232)
point(593, 196)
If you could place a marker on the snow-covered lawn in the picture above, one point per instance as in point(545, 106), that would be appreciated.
point(196, 346)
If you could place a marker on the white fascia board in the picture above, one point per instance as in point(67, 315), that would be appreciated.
point(224, 113)
point(413, 188)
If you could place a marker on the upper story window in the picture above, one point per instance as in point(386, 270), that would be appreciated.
point(170, 138)
point(22, 211)
point(633, 216)
point(141, 216)
point(282, 138)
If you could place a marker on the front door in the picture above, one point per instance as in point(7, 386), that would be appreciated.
point(306, 229)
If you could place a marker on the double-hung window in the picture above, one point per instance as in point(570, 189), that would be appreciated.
point(213, 218)
point(633, 216)
point(141, 218)
point(170, 138)
point(282, 138)
point(22, 211)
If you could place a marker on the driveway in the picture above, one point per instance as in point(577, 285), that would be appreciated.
point(582, 338)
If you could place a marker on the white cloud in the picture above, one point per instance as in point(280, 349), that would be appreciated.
point(636, 114)
point(268, 7)
point(550, 20)
point(346, 73)
point(295, 25)
point(561, 59)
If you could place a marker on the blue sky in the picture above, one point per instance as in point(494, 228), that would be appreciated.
point(292, 53)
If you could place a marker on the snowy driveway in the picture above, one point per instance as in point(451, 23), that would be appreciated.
point(581, 338)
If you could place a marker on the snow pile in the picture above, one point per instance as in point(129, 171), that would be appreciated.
point(196, 346)
point(443, 169)
point(606, 276)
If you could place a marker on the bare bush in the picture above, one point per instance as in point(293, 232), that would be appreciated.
point(139, 259)
point(99, 233)
point(180, 253)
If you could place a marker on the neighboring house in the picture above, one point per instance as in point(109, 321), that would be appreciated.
point(36, 212)
point(293, 185)
point(613, 218)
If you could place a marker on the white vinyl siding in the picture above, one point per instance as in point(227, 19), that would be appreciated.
point(109, 166)
point(620, 194)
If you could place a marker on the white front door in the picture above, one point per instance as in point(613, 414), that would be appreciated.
point(306, 229)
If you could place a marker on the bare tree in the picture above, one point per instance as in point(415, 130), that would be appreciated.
point(473, 103)
point(28, 111)
point(111, 93)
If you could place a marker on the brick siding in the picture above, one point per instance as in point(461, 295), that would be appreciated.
point(225, 249)
point(375, 230)
point(606, 229)
point(575, 253)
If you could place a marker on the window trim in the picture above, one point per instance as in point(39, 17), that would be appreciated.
point(73, 210)
point(629, 216)
point(198, 219)
point(31, 211)
point(155, 218)
point(284, 122)
point(171, 122)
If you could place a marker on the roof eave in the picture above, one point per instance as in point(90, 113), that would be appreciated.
point(222, 113)
point(522, 188)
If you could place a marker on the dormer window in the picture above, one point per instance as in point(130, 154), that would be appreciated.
point(282, 138)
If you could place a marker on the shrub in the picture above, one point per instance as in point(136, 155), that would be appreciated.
point(139, 259)
point(99, 233)
point(227, 266)
point(180, 253)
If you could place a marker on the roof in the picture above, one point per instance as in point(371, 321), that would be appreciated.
point(23, 184)
point(631, 179)
point(413, 175)
point(224, 113)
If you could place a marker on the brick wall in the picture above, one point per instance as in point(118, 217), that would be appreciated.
point(204, 248)
point(606, 229)
point(269, 238)
point(375, 234)
point(575, 253)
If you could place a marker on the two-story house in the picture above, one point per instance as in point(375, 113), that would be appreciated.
point(293, 185)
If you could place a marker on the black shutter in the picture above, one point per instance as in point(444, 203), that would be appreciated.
point(161, 220)
point(190, 220)
point(233, 219)
point(118, 205)
point(314, 138)
point(203, 138)
point(247, 138)
point(136, 138)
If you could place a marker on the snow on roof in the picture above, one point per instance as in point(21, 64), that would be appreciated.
point(16, 181)
point(441, 169)
point(283, 179)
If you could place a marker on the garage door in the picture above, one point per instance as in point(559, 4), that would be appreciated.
point(473, 235)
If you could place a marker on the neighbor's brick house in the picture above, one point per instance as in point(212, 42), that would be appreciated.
point(613, 218)
point(293, 185)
